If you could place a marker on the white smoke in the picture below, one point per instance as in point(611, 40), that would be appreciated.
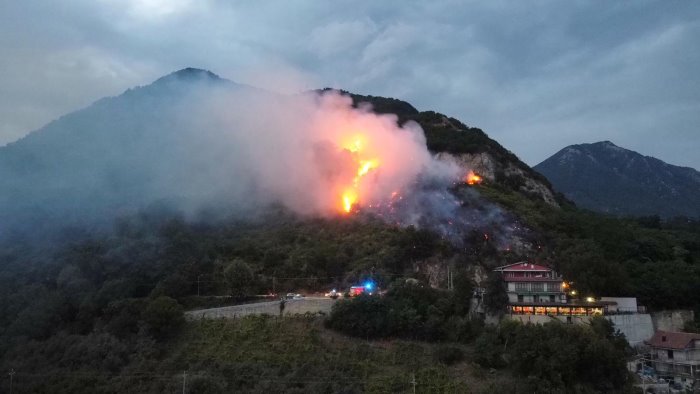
point(293, 149)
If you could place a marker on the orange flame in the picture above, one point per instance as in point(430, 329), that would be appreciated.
point(473, 179)
point(349, 199)
point(350, 195)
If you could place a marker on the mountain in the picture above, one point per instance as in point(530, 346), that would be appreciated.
point(159, 145)
point(117, 155)
point(101, 311)
point(607, 178)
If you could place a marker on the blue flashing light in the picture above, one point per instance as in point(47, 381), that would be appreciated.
point(369, 286)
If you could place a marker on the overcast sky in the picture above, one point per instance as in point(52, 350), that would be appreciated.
point(535, 75)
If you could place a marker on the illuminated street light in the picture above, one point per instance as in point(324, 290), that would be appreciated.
point(590, 299)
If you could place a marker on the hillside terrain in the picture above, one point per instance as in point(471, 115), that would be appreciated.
point(294, 355)
point(96, 303)
point(607, 178)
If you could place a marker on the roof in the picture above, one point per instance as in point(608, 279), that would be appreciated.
point(673, 340)
point(523, 266)
point(531, 279)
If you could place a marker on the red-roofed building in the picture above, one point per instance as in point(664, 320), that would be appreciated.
point(535, 289)
point(532, 284)
point(676, 356)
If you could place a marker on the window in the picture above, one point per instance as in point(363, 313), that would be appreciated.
point(521, 287)
point(538, 287)
point(670, 354)
point(520, 298)
point(551, 298)
point(554, 287)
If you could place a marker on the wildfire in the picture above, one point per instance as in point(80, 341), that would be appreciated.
point(349, 199)
point(365, 167)
point(473, 179)
point(350, 195)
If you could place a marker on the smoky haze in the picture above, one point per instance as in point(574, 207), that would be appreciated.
point(197, 143)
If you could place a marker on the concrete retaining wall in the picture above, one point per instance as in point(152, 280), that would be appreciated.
point(292, 307)
point(672, 320)
point(637, 327)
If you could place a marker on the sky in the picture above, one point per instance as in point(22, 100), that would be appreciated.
point(536, 76)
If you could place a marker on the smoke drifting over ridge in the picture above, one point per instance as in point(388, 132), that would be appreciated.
point(195, 142)
point(210, 148)
point(315, 153)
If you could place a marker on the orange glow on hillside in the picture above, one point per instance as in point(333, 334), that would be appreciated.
point(473, 179)
point(349, 199)
point(356, 146)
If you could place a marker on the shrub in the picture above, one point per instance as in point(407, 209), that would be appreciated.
point(448, 355)
point(488, 350)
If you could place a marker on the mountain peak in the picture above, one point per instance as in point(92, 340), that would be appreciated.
point(605, 177)
point(188, 74)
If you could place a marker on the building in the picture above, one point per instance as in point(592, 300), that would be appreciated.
point(675, 356)
point(534, 289)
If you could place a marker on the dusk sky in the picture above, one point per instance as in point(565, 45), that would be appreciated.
point(536, 76)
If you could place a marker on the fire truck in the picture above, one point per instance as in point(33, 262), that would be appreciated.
point(367, 288)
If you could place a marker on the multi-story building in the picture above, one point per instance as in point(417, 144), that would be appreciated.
point(675, 356)
point(534, 289)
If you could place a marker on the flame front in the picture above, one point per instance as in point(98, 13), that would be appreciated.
point(351, 193)
point(365, 167)
point(349, 199)
point(473, 179)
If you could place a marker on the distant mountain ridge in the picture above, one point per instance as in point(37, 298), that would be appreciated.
point(607, 178)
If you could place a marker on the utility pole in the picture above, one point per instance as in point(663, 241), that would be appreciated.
point(450, 282)
point(413, 382)
point(274, 288)
point(12, 375)
point(198, 276)
point(184, 381)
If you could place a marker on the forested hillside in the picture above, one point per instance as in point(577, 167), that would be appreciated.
point(99, 308)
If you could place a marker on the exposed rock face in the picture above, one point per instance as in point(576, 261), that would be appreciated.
point(486, 166)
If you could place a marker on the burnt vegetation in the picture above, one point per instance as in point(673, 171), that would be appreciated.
point(92, 311)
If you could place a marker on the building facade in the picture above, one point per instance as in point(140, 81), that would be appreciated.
point(534, 289)
point(675, 356)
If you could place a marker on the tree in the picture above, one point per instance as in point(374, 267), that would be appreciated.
point(488, 350)
point(495, 296)
point(239, 277)
point(463, 291)
point(163, 316)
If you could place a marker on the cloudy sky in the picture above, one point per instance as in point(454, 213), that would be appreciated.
point(535, 75)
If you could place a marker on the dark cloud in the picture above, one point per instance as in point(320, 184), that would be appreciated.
point(537, 76)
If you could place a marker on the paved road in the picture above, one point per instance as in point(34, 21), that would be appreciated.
point(300, 306)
